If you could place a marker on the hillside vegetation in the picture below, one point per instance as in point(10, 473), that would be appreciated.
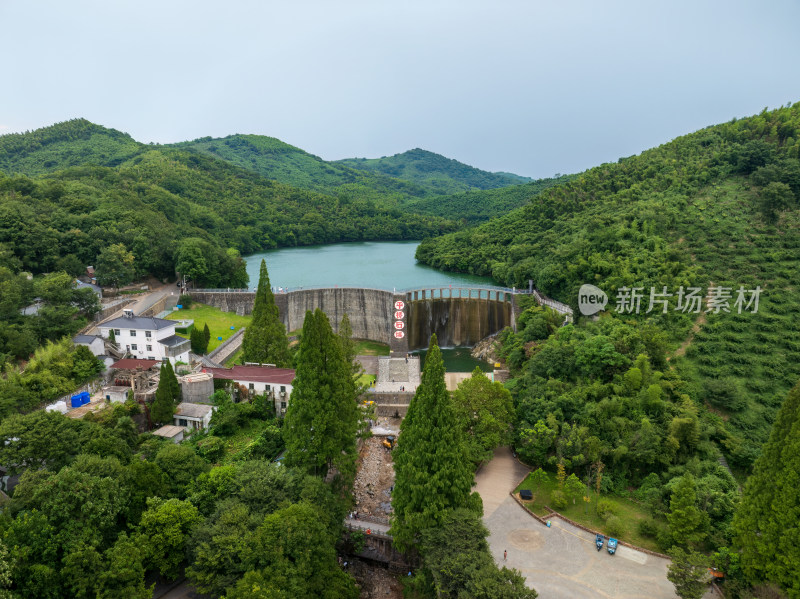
point(445, 175)
point(473, 207)
point(717, 207)
point(167, 207)
point(274, 159)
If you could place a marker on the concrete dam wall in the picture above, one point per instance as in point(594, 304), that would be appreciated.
point(456, 321)
point(458, 317)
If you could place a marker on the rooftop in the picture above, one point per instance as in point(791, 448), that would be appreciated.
point(173, 340)
point(116, 389)
point(168, 431)
point(85, 338)
point(192, 410)
point(254, 374)
point(138, 323)
point(134, 364)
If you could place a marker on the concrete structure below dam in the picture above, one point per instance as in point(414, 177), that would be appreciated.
point(404, 320)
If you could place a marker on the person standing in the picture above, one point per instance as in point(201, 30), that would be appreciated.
point(505, 555)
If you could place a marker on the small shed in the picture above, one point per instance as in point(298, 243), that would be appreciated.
point(193, 416)
point(171, 432)
point(95, 343)
point(116, 393)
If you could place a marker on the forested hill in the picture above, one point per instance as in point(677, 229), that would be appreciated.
point(274, 159)
point(71, 143)
point(720, 206)
point(473, 207)
point(170, 208)
point(445, 175)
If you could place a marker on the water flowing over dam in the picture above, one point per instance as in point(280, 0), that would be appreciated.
point(404, 320)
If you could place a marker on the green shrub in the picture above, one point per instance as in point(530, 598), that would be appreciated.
point(558, 499)
point(211, 448)
point(647, 528)
point(614, 526)
point(605, 508)
point(185, 300)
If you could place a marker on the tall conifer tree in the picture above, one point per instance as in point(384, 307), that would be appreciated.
point(265, 339)
point(163, 407)
point(433, 473)
point(322, 417)
point(767, 522)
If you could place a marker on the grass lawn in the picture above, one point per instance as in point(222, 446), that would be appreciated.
point(219, 322)
point(371, 348)
point(584, 513)
point(366, 379)
point(236, 358)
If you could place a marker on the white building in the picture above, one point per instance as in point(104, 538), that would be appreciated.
point(193, 416)
point(258, 380)
point(170, 431)
point(147, 338)
point(93, 342)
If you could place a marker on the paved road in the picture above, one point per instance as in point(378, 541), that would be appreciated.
point(561, 562)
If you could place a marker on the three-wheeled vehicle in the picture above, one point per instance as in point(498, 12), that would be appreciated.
point(598, 540)
point(612, 546)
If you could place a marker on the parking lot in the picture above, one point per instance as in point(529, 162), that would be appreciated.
point(561, 562)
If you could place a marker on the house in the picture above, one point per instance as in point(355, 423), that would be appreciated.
point(116, 393)
point(95, 343)
point(147, 338)
point(275, 382)
point(193, 416)
point(96, 288)
point(170, 431)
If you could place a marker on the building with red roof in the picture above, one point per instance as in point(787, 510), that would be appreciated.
point(276, 383)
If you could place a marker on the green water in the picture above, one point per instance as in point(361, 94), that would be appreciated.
point(456, 359)
point(377, 264)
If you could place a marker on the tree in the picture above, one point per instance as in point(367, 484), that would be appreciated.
point(163, 407)
point(190, 260)
point(114, 266)
point(163, 532)
point(574, 488)
point(466, 568)
point(539, 477)
point(685, 519)
point(172, 381)
point(181, 465)
point(197, 341)
point(433, 473)
point(773, 198)
point(687, 572)
point(485, 411)
point(123, 575)
point(206, 337)
point(770, 504)
point(265, 338)
point(322, 418)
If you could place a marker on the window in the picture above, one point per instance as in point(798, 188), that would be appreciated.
point(133, 333)
point(283, 404)
point(149, 347)
point(133, 347)
point(182, 422)
point(283, 388)
point(150, 358)
point(147, 334)
point(116, 332)
point(252, 386)
point(268, 389)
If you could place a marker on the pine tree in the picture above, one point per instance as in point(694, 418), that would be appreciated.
point(163, 407)
point(206, 337)
point(265, 339)
point(196, 340)
point(688, 572)
point(173, 386)
point(322, 417)
point(686, 522)
point(433, 473)
point(766, 522)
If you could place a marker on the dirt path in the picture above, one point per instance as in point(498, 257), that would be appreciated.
point(374, 480)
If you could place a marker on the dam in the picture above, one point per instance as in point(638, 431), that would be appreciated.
point(402, 319)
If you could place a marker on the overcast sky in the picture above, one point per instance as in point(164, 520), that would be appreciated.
point(532, 87)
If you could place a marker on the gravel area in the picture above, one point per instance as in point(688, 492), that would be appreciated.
point(374, 479)
point(375, 582)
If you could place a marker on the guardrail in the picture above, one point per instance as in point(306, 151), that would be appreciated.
point(393, 290)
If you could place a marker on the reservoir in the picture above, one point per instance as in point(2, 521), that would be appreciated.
point(377, 264)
